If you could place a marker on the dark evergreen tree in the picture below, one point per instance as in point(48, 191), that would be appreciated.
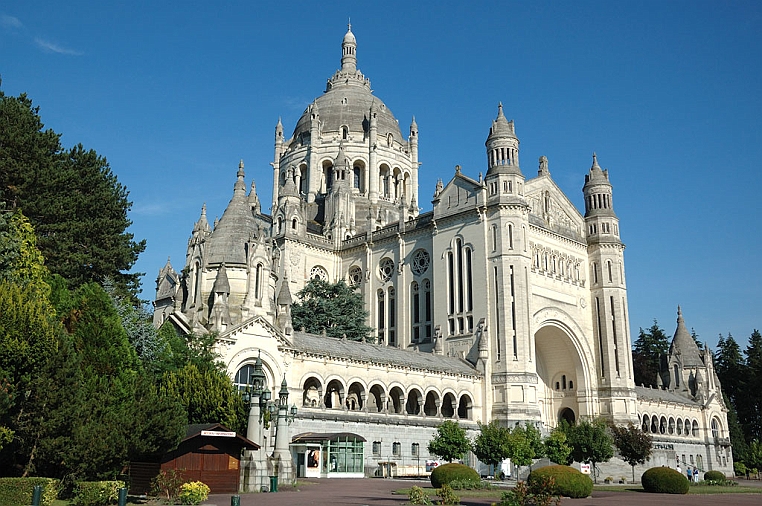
point(730, 367)
point(75, 203)
point(334, 308)
point(750, 402)
point(646, 352)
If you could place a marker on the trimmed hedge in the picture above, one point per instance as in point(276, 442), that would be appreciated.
point(97, 493)
point(664, 480)
point(714, 476)
point(20, 490)
point(443, 475)
point(569, 482)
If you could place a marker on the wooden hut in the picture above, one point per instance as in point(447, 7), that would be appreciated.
point(210, 453)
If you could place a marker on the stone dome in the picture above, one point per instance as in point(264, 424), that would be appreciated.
point(347, 102)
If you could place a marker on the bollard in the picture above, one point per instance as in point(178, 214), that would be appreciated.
point(36, 495)
point(123, 496)
point(235, 500)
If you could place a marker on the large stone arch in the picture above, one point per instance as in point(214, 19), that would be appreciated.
point(563, 356)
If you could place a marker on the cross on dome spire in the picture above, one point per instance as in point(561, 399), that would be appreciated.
point(349, 51)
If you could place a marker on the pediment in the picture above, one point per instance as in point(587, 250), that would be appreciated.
point(255, 327)
point(460, 194)
point(552, 209)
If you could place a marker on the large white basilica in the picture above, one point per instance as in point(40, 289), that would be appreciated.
point(504, 302)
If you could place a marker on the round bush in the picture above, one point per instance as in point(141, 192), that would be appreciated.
point(664, 480)
point(569, 482)
point(714, 476)
point(443, 475)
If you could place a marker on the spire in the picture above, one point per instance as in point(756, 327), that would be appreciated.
point(202, 225)
point(221, 283)
point(240, 184)
point(684, 344)
point(349, 51)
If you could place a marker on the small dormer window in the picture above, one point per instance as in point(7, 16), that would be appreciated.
point(344, 132)
point(390, 140)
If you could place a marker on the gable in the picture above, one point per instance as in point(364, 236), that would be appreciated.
point(461, 193)
point(550, 208)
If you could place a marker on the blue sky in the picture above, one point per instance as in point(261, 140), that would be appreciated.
point(668, 94)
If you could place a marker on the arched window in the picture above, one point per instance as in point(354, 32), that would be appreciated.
point(611, 274)
point(258, 282)
point(344, 133)
point(380, 317)
point(415, 310)
point(510, 236)
point(715, 428)
point(392, 318)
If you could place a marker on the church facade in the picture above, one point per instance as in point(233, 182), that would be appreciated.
point(503, 302)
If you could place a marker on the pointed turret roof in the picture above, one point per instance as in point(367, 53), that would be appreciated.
point(596, 174)
point(234, 228)
point(684, 344)
point(501, 127)
point(221, 283)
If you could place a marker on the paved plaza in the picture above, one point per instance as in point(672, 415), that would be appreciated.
point(378, 492)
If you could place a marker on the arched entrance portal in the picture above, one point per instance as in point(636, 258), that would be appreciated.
point(562, 375)
point(568, 415)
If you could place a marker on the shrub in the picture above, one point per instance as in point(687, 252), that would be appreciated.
point(664, 480)
point(714, 476)
point(167, 484)
point(447, 473)
point(418, 496)
point(20, 490)
point(739, 468)
point(469, 485)
point(97, 493)
point(447, 496)
point(539, 495)
point(193, 492)
point(568, 482)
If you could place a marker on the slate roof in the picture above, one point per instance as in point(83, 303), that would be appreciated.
point(684, 344)
point(655, 394)
point(374, 353)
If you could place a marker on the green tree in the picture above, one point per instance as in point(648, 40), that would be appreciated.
point(491, 444)
point(590, 442)
point(646, 352)
point(20, 259)
point(750, 401)
point(520, 447)
point(634, 445)
point(74, 201)
point(754, 455)
point(557, 448)
point(450, 441)
point(334, 308)
point(207, 394)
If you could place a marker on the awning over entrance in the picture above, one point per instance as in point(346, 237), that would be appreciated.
point(320, 437)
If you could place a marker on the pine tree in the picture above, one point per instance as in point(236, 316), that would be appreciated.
point(751, 404)
point(646, 352)
point(73, 200)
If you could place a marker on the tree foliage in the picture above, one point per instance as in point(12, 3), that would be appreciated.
point(75, 203)
point(207, 394)
point(557, 448)
point(634, 445)
point(590, 442)
point(491, 444)
point(646, 352)
point(334, 308)
point(450, 441)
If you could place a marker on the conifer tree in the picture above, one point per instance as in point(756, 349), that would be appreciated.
point(646, 352)
point(334, 308)
point(75, 203)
